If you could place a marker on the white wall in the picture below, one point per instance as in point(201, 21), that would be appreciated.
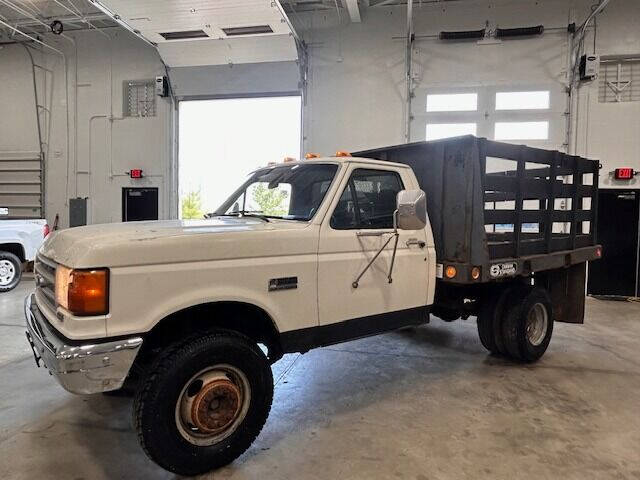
point(91, 161)
point(610, 132)
point(18, 127)
point(355, 97)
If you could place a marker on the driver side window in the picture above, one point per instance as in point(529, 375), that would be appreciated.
point(368, 200)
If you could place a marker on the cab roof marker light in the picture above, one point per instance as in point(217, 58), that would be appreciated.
point(342, 153)
point(311, 155)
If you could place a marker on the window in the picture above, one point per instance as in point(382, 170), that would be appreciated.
point(521, 131)
point(368, 200)
point(290, 192)
point(452, 102)
point(140, 99)
point(445, 130)
point(619, 81)
point(522, 100)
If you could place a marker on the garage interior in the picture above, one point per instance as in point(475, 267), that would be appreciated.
point(117, 111)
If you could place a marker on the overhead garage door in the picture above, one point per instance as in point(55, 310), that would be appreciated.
point(207, 32)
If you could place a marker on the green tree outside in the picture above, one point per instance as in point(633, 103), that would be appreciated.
point(271, 201)
point(192, 206)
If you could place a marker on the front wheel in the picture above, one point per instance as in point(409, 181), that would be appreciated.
point(204, 402)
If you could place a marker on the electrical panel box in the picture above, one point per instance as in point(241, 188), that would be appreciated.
point(162, 86)
point(77, 212)
point(589, 66)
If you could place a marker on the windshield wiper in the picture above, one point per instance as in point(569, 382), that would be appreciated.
point(246, 213)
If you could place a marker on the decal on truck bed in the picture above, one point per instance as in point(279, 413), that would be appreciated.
point(506, 269)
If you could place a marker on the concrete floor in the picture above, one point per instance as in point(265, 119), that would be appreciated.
point(423, 403)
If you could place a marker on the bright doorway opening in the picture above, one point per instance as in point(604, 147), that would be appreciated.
point(221, 141)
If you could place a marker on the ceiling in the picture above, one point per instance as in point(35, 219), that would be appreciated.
point(213, 22)
point(34, 17)
point(159, 21)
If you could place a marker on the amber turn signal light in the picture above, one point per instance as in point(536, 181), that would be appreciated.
point(450, 271)
point(475, 273)
point(83, 292)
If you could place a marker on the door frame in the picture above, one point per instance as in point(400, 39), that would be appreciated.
point(614, 191)
point(175, 163)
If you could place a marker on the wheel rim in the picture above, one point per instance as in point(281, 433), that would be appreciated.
point(212, 404)
point(7, 272)
point(537, 324)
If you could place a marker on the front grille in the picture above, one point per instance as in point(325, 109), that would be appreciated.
point(45, 273)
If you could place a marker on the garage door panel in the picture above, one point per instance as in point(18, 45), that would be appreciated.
point(229, 51)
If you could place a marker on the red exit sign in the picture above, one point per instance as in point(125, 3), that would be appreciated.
point(625, 173)
point(135, 173)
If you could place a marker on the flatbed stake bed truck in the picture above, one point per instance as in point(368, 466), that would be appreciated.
point(189, 315)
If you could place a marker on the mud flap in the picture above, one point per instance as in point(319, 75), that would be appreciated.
point(566, 287)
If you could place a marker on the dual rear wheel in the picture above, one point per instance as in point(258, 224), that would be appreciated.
point(517, 322)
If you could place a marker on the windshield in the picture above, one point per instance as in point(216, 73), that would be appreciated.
point(289, 192)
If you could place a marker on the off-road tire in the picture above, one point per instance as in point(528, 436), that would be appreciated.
point(514, 326)
point(155, 402)
point(17, 265)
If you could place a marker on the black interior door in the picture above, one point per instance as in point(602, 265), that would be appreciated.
point(617, 272)
point(139, 204)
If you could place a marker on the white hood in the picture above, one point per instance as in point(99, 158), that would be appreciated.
point(171, 241)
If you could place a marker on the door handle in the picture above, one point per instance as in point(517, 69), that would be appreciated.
point(415, 241)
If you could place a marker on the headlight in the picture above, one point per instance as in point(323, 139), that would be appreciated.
point(83, 292)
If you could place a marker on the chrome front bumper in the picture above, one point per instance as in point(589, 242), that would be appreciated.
point(83, 367)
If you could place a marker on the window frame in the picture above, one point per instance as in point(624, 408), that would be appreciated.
point(486, 115)
point(350, 184)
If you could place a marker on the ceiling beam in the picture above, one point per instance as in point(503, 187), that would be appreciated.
point(354, 10)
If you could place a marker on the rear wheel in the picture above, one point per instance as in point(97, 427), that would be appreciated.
point(490, 320)
point(528, 324)
point(204, 403)
point(10, 271)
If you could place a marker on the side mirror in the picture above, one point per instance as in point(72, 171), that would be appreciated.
point(412, 209)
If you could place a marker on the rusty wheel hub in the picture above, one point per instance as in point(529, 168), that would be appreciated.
point(212, 404)
point(216, 406)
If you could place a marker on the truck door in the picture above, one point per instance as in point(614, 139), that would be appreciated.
point(359, 221)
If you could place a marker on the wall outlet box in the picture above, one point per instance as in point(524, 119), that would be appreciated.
point(589, 66)
point(162, 86)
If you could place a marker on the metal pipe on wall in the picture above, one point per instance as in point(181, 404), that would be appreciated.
point(37, 111)
point(409, 71)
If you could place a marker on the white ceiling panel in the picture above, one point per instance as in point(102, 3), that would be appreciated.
point(152, 18)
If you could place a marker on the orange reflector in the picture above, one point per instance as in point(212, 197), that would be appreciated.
point(475, 273)
point(311, 155)
point(450, 271)
point(342, 153)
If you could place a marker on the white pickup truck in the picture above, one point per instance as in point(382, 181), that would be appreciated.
point(304, 254)
point(19, 242)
